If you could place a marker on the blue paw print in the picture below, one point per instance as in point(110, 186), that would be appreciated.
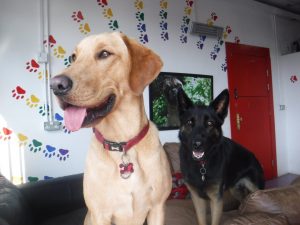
point(58, 117)
point(63, 154)
point(220, 41)
point(186, 20)
point(184, 29)
point(183, 38)
point(213, 55)
point(49, 151)
point(200, 44)
point(202, 37)
point(164, 35)
point(224, 67)
point(217, 48)
point(163, 25)
point(141, 27)
point(144, 38)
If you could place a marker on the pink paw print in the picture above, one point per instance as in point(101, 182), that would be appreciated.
point(294, 78)
point(228, 29)
point(51, 41)
point(18, 93)
point(32, 66)
point(77, 16)
point(237, 40)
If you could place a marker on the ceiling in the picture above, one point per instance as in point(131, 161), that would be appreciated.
point(292, 6)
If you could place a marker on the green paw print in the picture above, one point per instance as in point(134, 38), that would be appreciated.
point(67, 61)
point(43, 110)
point(113, 24)
point(35, 146)
point(33, 179)
point(140, 16)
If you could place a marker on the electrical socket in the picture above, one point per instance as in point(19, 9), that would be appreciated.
point(52, 126)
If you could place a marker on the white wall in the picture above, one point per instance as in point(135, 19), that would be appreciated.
point(251, 23)
point(290, 67)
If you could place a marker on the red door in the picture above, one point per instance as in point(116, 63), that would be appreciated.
point(251, 102)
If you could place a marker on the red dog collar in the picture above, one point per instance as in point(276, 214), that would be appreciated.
point(121, 146)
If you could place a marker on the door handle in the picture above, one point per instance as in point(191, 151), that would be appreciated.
point(239, 119)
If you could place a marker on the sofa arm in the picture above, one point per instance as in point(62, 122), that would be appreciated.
point(55, 196)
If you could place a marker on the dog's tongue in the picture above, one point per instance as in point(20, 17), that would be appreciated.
point(74, 117)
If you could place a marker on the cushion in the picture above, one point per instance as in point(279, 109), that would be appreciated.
point(256, 219)
point(179, 190)
point(172, 150)
point(285, 200)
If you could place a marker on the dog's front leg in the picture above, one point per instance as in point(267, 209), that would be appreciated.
point(91, 219)
point(216, 204)
point(199, 204)
point(156, 215)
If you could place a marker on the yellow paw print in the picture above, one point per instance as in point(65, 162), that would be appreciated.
point(139, 5)
point(40, 75)
point(210, 22)
point(59, 52)
point(32, 101)
point(22, 139)
point(188, 10)
point(108, 13)
point(84, 28)
point(225, 35)
point(163, 4)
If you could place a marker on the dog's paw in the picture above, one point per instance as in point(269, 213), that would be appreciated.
point(32, 66)
point(18, 93)
point(113, 24)
point(35, 146)
point(163, 14)
point(77, 16)
point(49, 151)
point(140, 16)
point(32, 101)
point(63, 154)
point(108, 13)
point(59, 52)
point(84, 28)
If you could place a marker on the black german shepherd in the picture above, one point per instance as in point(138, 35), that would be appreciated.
point(210, 162)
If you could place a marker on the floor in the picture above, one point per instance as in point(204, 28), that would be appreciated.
point(280, 181)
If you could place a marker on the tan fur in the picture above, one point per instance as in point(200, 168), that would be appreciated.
point(125, 73)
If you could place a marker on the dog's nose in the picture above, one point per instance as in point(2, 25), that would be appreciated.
point(61, 84)
point(197, 145)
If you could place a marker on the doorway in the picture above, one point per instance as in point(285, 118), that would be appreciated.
point(251, 102)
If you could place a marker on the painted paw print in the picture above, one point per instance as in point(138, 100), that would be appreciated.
point(141, 27)
point(107, 13)
point(35, 146)
point(237, 40)
point(40, 75)
point(140, 16)
point(184, 29)
point(228, 29)
point(210, 22)
point(224, 67)
point(294, 78)
point(164, 35)
point(48, 177)
point(49, 151)
point(225, 35)
point(18, 93)
point(6, 134)
point(85, 28)
point(43, 110)
point(67, 61)
point(213, 55)
point(186, 20)
point(51, 41)
point(188, 11)
point(220, 41)
point(77, 16)
point(183, 38)
point(144, 38)
point(214, 16)
point(32, 179)
point(63, 154)
point(32, 66)
point(113, 24)
point(163, 25)
point(189, 3)
point(216, 48)
point(102, 3)
point(163, 4)
point(200, 44)
point(32, 101)
point(163, 14)
point(22, 139)
point(59, 52)
point(138, 4)
point(59, 118)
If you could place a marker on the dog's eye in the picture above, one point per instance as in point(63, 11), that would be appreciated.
point(103, 54)
point(190, 122)
point(73, 57)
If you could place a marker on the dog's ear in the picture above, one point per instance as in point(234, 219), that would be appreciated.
point(220, 104)
point(184, 102)
point(145, 65)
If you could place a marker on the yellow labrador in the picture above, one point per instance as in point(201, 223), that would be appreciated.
point(127, 176)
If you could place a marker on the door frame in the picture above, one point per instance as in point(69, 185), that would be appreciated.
point(233, 48)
